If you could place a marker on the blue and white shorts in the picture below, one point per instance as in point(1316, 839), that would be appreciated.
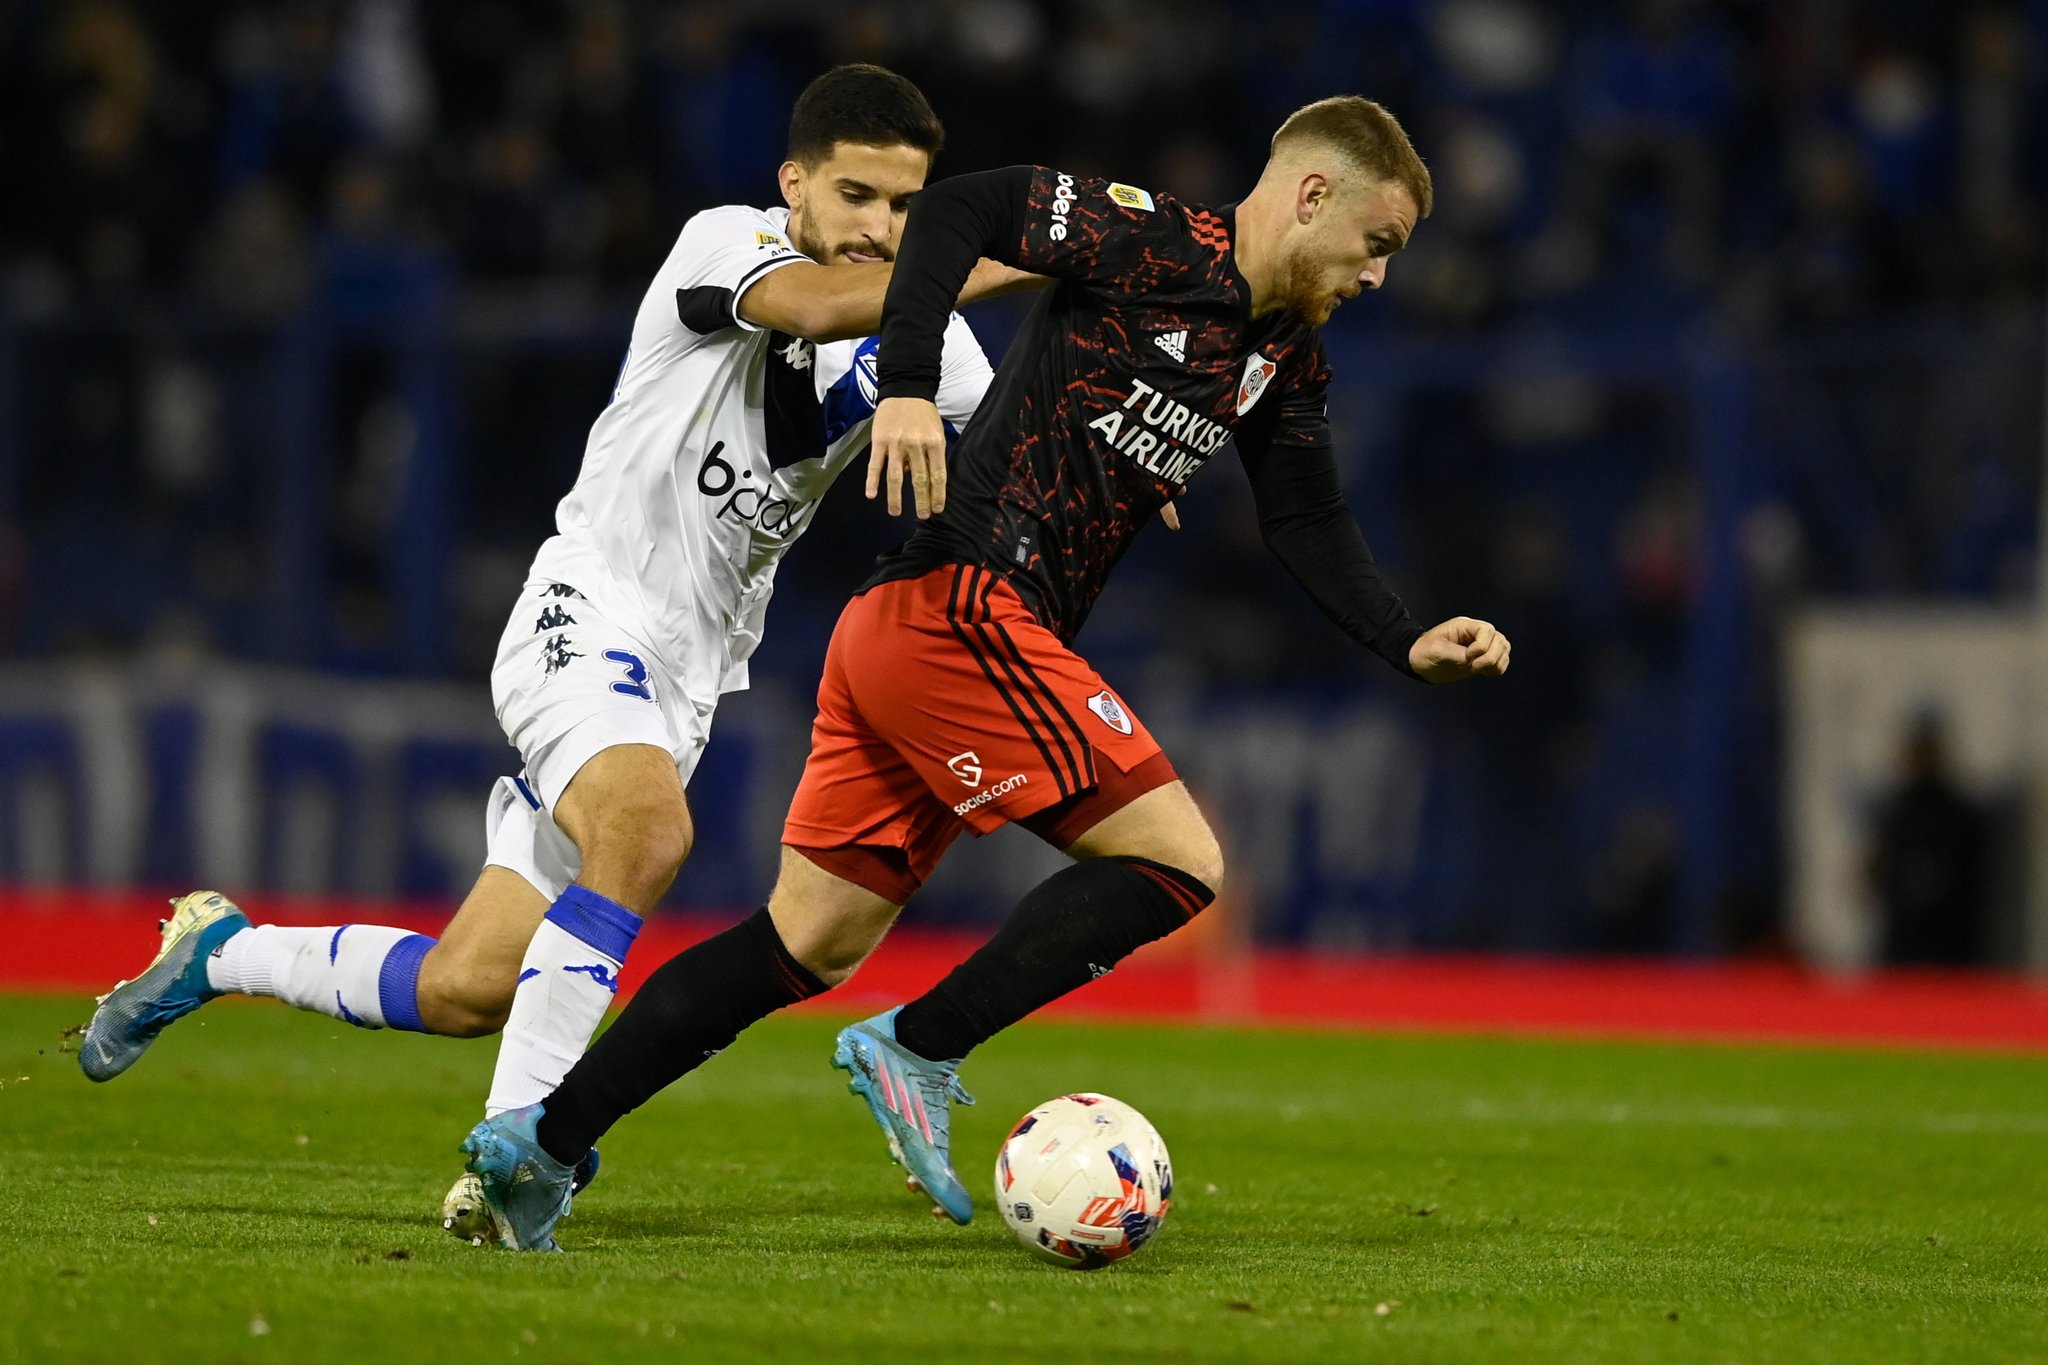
point(568, 684)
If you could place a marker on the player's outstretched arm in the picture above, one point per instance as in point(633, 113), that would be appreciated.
point(819, 302)
point(1460, 648)
point(824, 303)
point(994, 280)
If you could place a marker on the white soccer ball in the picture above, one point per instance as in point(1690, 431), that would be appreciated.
point(1083, 1180)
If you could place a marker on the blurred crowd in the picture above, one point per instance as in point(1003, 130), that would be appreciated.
point(1792, 160)
point(1850, 193)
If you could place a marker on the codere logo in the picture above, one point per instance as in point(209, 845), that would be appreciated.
point(1062, 200)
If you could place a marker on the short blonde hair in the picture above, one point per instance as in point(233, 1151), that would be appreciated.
point(1366, 135)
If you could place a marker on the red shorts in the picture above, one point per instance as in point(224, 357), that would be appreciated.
point(945, 707)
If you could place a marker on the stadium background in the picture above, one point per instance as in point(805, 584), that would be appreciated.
point(1725, 340)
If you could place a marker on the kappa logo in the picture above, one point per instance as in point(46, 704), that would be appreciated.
point(797, 355)
point(1174, 344)
point(1131, 197)
point(1258, 371)
point(966, 767)
point(556, 654)
point(1110, 712)
point(607, 977)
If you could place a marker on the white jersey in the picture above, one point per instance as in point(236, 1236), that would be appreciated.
point(717, 445)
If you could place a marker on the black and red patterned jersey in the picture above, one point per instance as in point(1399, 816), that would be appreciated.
point(1136, 369)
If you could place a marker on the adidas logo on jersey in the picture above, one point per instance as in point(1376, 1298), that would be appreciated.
point(1174, 344)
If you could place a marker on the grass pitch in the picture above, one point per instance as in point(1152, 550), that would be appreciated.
point(263, 1187)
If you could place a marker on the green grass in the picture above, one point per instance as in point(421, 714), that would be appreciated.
point(263, 1187)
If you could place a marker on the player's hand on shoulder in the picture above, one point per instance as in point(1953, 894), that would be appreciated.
point(908, 439)
point(992, 279)
point(1460, 648)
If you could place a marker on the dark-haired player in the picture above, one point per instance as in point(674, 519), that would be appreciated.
point(742, 396)
point(952, 699)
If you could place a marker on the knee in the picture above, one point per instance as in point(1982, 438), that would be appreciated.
point(1201, 858)
point(463, 999)
point(829, 926)
point(831, 952)
point(832, 964)
point(643, 850)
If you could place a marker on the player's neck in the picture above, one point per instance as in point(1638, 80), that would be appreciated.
point(1256, 249)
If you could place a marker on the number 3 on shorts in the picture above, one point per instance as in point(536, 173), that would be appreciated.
point(636, 675)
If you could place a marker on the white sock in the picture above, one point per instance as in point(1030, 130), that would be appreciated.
point(566, 983)
point(366, 974)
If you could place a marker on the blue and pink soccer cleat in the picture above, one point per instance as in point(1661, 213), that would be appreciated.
point(466, 1214)
point(131, 1015)
point(910, 1098)
point(525, 1191)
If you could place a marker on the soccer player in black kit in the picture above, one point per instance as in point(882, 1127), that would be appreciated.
point(952, 699)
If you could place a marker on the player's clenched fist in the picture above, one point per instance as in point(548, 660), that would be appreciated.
point(1459, 648)
point(908, 438)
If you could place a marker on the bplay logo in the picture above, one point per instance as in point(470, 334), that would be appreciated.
point(745, 501)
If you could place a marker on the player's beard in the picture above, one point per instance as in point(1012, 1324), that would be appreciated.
point(1309, 300)
point(807, 242)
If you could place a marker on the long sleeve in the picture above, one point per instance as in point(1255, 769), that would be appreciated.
point(1310, 529)
point(952, 225)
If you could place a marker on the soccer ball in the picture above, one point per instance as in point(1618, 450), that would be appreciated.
point(1083, 1180)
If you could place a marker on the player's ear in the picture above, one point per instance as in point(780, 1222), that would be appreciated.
point(791, 178)
point(1310, 195)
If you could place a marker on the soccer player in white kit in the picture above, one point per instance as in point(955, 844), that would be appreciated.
point(745, 391)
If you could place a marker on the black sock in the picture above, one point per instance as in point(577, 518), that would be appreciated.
point(1071, 928)
point(691, 1009)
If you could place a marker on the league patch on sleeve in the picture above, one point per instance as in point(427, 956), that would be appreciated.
point(1131, 197)
point(764, 239)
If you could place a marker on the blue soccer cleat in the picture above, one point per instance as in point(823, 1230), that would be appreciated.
point(525, 1191)
point(131, 1015)
point(908, 1096)
point(467, 1215)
